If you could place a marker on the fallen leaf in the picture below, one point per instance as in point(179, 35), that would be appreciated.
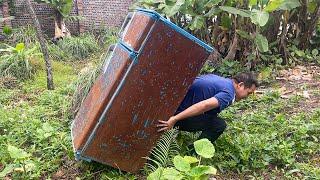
point(281, 78)
point(283, 72)
point(306, 94)
point(307, 77)
point(296, 72)
point(286, 96)
point(294, 77)
point(287, 92)
point(301, 67)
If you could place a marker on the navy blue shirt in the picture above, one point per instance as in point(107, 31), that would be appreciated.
point(207, 86)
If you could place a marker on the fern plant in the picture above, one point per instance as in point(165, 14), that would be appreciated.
point(188, 167)
point(162, 154)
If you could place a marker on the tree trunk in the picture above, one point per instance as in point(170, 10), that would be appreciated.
point(283, 42)
point(302, 23)
point(6, 14)
point(60, 30)
point(234, 45)
point(216, 30)
point(271, 32)
point(44, 48)
point(305, 39)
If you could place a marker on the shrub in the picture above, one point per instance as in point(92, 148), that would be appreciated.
point(79, 47)
point(188, 167)
point(26, 35)
point(56, 53)
point(16, 61)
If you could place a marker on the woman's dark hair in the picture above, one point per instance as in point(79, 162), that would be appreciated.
point(247, 78)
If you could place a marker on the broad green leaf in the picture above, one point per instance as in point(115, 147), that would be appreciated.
point(315, 52)
point(7, 30)
point(299, 53)
point(197, 23)
point(212, 3)
point(226, 22)
point(199, 5)
point(147, 2)
point(20, 46)
point(232, 10)
point(259, 17)
point(244, 34)
point(312, 5)
point(161, 6)
point(253, 2)
point(29, 166)
point(46, 131)
point(190, 159)
point(289, 4)
point(171, 2)
point(8, 169)
point(262, 43)
point(16, 153)
point(213, 11)
point(156, 175)
point(264, 2)
point(47, 127)
point(201, 170)
point(204, 148)
point(171, 174)
point(65, 7)
point(172, 10)
point(273, 5)
point(181, 164)
point(187, 8)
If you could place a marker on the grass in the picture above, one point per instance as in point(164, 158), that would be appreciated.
point(263, 138)
point(36, 120)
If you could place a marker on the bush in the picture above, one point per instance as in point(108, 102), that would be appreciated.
point(16, 62)
point(79, 47)
point(227, 68)
point(26, 35)
point(58, 54)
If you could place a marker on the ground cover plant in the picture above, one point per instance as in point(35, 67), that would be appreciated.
point(274, 134)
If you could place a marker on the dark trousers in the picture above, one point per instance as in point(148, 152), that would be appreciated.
point(211, 126)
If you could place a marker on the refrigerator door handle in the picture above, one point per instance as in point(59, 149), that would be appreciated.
point(125, 24)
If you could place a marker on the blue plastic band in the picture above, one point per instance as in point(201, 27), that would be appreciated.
point(178, 29)
point(152, 15)
point(80, 157)
point(132, 54)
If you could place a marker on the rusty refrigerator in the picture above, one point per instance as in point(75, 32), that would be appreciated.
point(145, 78)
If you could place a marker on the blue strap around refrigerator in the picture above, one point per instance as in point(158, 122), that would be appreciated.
point(177, 28)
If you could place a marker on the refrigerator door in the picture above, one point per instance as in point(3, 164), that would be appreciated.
point(100, 94)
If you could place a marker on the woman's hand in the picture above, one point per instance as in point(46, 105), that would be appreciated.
point(166, 125)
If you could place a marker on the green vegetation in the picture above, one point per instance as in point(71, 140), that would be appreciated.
point(270, 135)
point(252, 32)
